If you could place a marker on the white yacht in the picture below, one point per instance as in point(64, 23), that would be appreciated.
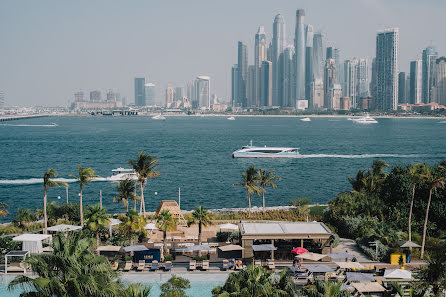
point(159, 117)
point(122, 173)
point(251, 151)
point(231, 118)
point(306, 120)
point(365, 120)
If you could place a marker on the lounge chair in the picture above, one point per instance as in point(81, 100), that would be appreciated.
point(128, 266)
point(115, 265)
point(271, 265)
point(192, 265)
point(168, 266)
point(205, 265)
point(238, 265)
point(154, 266)
point(141, 265)
point(258, 262)
point(225, 265)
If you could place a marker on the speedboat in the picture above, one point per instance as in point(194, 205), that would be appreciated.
point(231, 118)
point(251, 151)
point(365, 120)
point(159, 117)
point(122, 174)
point(306, 120)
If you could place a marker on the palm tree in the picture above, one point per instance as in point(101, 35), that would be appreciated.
point(325, 289)
point(24, 217)
point(145, 166)
point(249, 182)
point(137, 290)
point(3, 209)
point(202, 217)
point(165, 222)
point(131, 223)
point(126, 191)
point(96, 219)
point(359, 183)
point(267, 179)
point(70, 270)
point(435, 180)
point(416, 172)
point(85, 175)
point(432, 277)
point(174, 287)
point(48, 183)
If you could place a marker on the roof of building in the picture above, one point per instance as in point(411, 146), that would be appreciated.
point(368, 287)
point(173, 207)
point(284, 228)
point(31, 237)
point(64, 228)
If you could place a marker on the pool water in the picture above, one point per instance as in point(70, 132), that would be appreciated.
point(201, 284)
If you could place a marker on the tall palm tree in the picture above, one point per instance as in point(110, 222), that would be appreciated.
point(24, 217)
point(132, 223)
point(137, 290)
point(202, 217)
point(435, 180)
point(249, 182)
point(267, 179)
point(145, 166)
point(126, 191)
point(48, 183)
point(359, 183)
point(85, 175)
point(325, 289)
point(165, 222)
point(3, 209)
point(96, 219)
point(417, 173)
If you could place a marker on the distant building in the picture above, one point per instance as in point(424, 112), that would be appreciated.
point(440, 83)
point(346, 103)
point(329, 81)
point(79, 96)
point(402, 88)
point(95, 96)
point(415, 82)
point(422, 107)
point(286, 78)
point(373, 79)
point(2, 100)
point(266, 84)
point(234, 85)
point(242, 73)
point(251, 86)
point(429, 58)
point(278, 46)
point(179, 93)
point(351, 80)
point(335, 94)
point(363, 78)
point(318, 56)
point(317, 94)
point(260, 55)
point(308, 60)
point(387, 44)
point(169, 95)
point(300, 50)
point(111, 96)
point(140, 94)
point(150, 90)
point(203, 92)
point(366, 103)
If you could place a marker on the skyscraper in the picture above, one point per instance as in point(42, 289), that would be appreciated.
point(351, 81)
point(416, 82)
point(402, 88)
point(259, 57)
point(140, 94)
point(242, 72)
point(150, 90)
point(251, 86)
point(2, 99)
point(169, 95)
point(334, 95)
point(373, 79)
point(329, 81)
point(387, 69)
point(317, 94)
point(308, 60)
point(203, 92)
point(287, 87)
point(266, 84)
point(278, 46)
point(111, 96)
point(234, 84)
point(95, 96)
point(429, 58)
point(318, 56)
point(79, 96)
point(363, 79)
point(179, 93)
point(300, 49)
point(440, 83)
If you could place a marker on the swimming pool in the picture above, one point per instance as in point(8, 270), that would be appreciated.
point(201, 284)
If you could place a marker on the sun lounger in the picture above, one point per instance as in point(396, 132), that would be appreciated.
point(128, 266)
point(115, 265)
point(225, 265)
point(168, 266)
point(205, 265)
point(154, 266)
point(141, 265)
point(271, 265)
point(192, 265)
point(257, 262)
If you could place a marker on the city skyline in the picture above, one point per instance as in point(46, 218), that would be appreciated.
point(57, 61)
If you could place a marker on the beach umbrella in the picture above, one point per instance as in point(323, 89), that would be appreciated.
point(397, 273)
point(299, 250)
point(410, 244)
point(311, 256)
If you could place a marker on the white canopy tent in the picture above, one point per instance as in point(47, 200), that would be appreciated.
point(32, 242)
point(397, 273)
point(64, 228)
point(112, 222)
point(21, 254)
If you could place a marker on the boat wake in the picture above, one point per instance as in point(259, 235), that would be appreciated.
point(28, 125)
point(363, 156)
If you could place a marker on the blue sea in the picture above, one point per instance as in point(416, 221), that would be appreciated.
point(194, 153)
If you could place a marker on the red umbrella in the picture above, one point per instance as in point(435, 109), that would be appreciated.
point(299, 250)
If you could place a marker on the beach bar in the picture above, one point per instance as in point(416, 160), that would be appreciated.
point(284, 236)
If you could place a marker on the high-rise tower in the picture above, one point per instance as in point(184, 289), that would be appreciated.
point(318, 56)
point(387, 69)
point(416, 81)
point(429, 58)
point(266, 78)
point(287, 87)
point(260, 53)
point(351, 81)
point(140, 94)
point(440, 84)
point(329, 80)
point(242, 72)
point(278, 45)
point(308, 60)
point(363, 78)
point(300, 49)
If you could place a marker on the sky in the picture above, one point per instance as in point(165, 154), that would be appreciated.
point(49, 49)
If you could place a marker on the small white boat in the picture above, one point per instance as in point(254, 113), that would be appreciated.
point(159, 117)
point(231, 118)
point(122, 174)
point(251, 151)
point(365, 120)
point(349, 119)
point(306, 120)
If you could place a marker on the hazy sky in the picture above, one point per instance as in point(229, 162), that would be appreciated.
point(50, 49)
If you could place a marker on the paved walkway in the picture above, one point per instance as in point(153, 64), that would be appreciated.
point(350, 246)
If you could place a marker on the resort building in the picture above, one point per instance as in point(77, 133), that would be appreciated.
point(280, 238)
point(173, 207)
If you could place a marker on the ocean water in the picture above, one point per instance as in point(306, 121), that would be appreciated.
point(195, 154)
